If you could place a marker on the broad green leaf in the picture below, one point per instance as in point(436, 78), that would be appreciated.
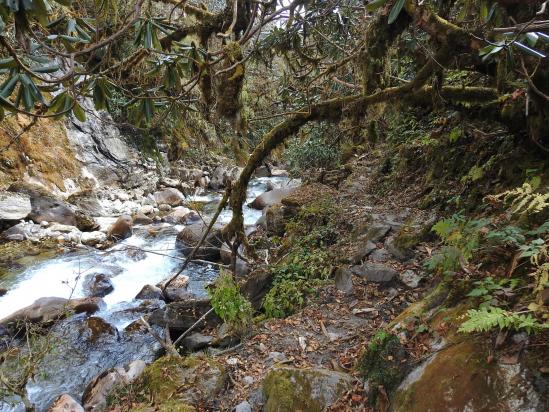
point(79, 112)
point(395, 11)
point(375, 4)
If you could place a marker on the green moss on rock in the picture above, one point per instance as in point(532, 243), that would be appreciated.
point(307, 390)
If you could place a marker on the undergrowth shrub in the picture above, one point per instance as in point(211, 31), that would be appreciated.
point(307, 265)
point(229, 304)
point(317, 150)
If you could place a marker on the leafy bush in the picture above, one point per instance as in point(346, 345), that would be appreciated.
point(461, 238)
point(489, 290)
point(229, 304)
point(315, 151)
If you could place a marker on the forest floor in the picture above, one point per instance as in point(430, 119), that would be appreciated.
point(333, 329)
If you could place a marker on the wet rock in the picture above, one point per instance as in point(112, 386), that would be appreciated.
point(307, 390)
point(84, 222)
point(169, 196)
point(136, 254)
point(375, 272)
point(45, 206)
point(363, 251)
point(191, 235)
point(147, 209)
point(121, 229)
point(174, 294)
point(279, 173)
point(243, 406)
point(141, 219)
point(262, 171)
point(65, 403)
point(410, 278)
point(48, 309)
point(344, 280)
point(164, 207)
point(14, 206)
point(196, 341)
point(3, 291)
point(93, 238)
point(180, 216)
point(97, 391)
point(98, 285)
point(458, 378)
point(270, 198)
point(150, 292)
point(99, 327)
point(179, 316)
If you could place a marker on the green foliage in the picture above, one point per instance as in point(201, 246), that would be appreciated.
point(488, 318)
point(307, 265)
point(229, 304)
point(315, 151)
point(523, 200)
point(461, 239)
point(382, 363)
point(489, 290)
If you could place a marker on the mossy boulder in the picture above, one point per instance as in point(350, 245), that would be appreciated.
point(192, 381)
point(307, 390)
point(460, 378)
point(383, 364)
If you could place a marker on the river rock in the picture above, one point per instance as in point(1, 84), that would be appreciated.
point(58, 227)
point(377, 231)
point(275, 219)
point(14, 206)
point(181, 215)
point(306, 390)
point(45, 206)
point(222, 175)
point(98, 327)
point(149, 292)
point(375, 272)
point(48, 309)
point(96, 393)
point(65, 403)
point(121, 229)
point(84, 222)
point(93, 238)
point(99, 285)
point(271, 197)
point(262, 171)
point(141, 219)
point(191, 235)
point(169, 196)
point(179, 316)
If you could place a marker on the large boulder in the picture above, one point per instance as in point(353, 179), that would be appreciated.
point(98, 285)
point(181, 215)
point(272, 197)
point(191, 235)
point(307, 390)
point(87, 202)
point(375, 272)
point(222, 175)
point(121, 229)
point(179, 316)
point(194, 380)
point(49, 309)
point(169, 196)
point(92, 238)
point(96, 393)
point(14, 206)
point(459, 378)
point(45, 206)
